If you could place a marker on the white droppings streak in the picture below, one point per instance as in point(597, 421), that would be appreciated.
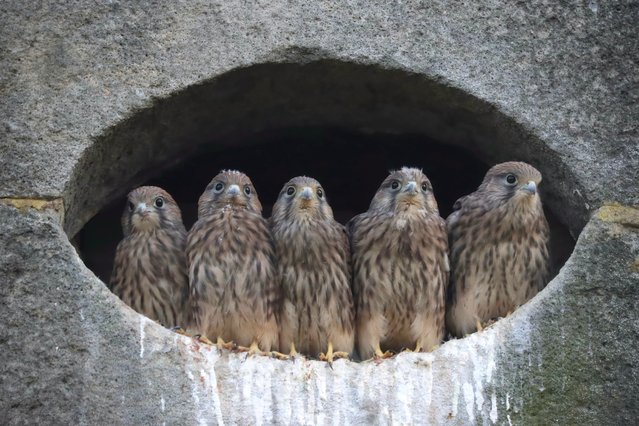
point(507, 401)
point(509, 421)
point(321, 396)
point(142, 336)
point(490, 367)
point(404, 395)
point(477, 377)
point(455, 397)
point(194, 394)
point(211, 357)
point(162, 403)
point(429, 385)
point(493, 408)
point(469, 397)
point(81, 314)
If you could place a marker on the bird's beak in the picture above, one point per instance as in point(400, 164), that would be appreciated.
point(411, 187)
point(233, 190)
point(307, 193)
point(141, 209)
point(530, 187)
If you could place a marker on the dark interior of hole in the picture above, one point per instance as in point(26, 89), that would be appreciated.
point(349, 164)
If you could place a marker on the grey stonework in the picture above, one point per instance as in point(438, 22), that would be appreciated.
point(99, 96)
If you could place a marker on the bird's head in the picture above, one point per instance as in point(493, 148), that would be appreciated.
point(302, 196)
point(513, 181)
point(232, 189)
point(149, 208)
point(404, 190)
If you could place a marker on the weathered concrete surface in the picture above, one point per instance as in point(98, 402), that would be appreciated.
point(72, 353)
point(567, 73)
point(96, 96)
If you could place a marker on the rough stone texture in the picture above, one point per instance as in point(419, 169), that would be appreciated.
point(146, 83)
point(73, 353)
point(566, 73)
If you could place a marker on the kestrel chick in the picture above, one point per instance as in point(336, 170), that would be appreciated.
point(233, 292)
point(498, 238)
point(313, 265)
point(149, 272)
point(400, 267)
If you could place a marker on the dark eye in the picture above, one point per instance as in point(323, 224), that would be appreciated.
point(247, 190)
point(511, 179)
point(219, 187)
point(395, 184)
point(290, 190)
point(131, 206)
point(159, 202)
point(424, 187)
point(320, 193)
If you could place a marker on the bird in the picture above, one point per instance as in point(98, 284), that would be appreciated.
point(233, 294)
point(314, 270)
point(400, 267)
point(149, 270)
point(498, 237)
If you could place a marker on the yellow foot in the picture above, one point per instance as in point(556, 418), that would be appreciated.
point(203, 339)
point(279, 355)
point(221, 344)
point(379, 355)
point(292, 355)
point(254, 349)
point(179, 330)
point(330, 355)
point(480, 328)
point(418, 348)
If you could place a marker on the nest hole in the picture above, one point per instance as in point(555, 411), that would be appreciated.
point(344, 124)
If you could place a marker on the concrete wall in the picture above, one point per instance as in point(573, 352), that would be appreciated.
point(98, 97)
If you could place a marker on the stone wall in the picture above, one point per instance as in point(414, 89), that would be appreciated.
point(98, 97)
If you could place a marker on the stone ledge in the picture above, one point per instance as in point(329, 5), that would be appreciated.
point(551, 360)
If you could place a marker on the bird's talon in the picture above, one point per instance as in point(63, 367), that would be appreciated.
point(202, 339)
point(379, 355)
point(254, 349)
point(279, 355)
point(221, 344)
point(382, 355)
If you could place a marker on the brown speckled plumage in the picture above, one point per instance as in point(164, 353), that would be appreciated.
point(149, 272)
point(313, 264)
point(498, 238)
point(400, 267)
point(233, 292)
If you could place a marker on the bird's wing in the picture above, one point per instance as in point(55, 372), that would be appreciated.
point(452, 218)
point(352, 224)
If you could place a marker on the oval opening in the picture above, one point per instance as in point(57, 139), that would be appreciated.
point(342, 123)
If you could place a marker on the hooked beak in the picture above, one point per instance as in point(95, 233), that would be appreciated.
point(307, 193)
point(530, 187)
point(233, 190)
point(141, 209)
point(411, 187)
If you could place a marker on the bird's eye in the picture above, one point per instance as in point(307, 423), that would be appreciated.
point(290, 190)
point(395, 184)
point(131, 206)
point(247, 190)
point(320, 193)
point(424, 187)
point(511, 179)
point(219, 187)
point(159, 202)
